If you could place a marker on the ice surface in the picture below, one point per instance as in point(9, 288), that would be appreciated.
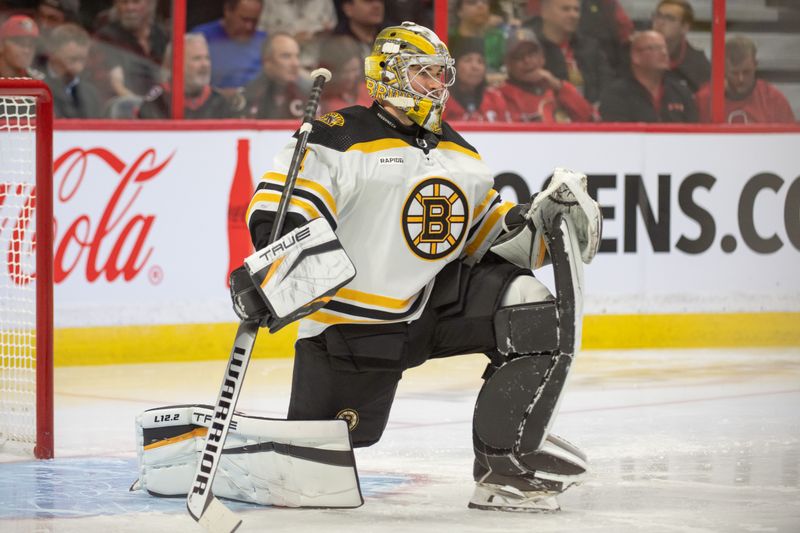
point(678, 441)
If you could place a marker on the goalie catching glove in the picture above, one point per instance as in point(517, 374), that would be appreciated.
point(524, 245)
point(292, 277)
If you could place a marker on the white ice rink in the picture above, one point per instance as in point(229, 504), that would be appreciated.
point(679, 441)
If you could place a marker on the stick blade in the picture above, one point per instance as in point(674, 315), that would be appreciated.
point(216, 518)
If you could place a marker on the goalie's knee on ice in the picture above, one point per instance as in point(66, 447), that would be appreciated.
point(365, 423)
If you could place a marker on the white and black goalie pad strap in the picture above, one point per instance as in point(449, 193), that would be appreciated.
point(264, 461)
point(300, 272)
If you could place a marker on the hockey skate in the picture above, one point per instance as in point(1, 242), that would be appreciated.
point(520, 493)
point(491, 497)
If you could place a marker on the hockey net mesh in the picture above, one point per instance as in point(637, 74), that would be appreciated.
point(17, 279)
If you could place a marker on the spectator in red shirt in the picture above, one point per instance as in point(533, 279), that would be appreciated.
point(18, 37)
point(471, 99)
point(673, 19)
point(532, 93)
point(747, 99)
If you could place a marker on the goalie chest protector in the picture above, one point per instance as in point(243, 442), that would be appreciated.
point(402, 204)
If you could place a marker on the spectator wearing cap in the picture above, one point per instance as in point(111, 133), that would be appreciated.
point(748, 100)
point(200, 99)
point(474, 20)
point(342, 56)
point(74, 96)
point(18, 37)
point(532, 93)
point(648, 94)
point(127, 59)
point(235, 44)
point(570, 55)
point(470, 97)
point(673, 19)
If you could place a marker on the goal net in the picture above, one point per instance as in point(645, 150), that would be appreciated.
point(26, 405)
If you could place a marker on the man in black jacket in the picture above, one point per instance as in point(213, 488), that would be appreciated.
point(648, 94)
point(569, 55)
point(74, 96)
point(200, 99)
point(127, 56)
point(276, 93)
point(673, 19)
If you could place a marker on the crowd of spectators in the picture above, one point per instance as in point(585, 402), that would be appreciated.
point(544, 61)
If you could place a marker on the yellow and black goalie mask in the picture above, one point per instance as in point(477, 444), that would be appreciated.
point(410, 68)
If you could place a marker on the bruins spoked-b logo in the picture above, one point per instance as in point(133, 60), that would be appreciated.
point(435, 218)
point(350, 416)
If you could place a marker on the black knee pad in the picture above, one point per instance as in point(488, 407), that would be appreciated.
point(527, 328)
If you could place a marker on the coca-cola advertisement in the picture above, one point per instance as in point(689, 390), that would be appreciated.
point(146, 233)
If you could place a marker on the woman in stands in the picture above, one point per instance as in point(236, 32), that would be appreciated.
point(471, 99)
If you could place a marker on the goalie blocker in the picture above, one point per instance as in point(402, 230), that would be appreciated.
point(291, 277)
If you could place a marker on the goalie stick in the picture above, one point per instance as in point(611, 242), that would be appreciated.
point(203, 506)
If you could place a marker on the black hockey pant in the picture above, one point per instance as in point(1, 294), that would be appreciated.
point(351, 371)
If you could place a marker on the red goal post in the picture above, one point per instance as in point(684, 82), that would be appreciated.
point(26, 282)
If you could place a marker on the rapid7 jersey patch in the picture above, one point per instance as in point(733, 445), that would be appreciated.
point(435, 218)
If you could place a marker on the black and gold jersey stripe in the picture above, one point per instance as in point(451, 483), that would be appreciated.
point(365, 129)
point(310, 191)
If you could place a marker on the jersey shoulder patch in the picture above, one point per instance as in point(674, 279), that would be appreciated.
point(341, 129)
point(332, 119)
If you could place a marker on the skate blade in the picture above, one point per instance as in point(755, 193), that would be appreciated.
point(512, 500)
point(511, 509)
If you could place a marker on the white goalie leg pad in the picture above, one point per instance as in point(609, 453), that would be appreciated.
point(265, 461)
point(566, 194)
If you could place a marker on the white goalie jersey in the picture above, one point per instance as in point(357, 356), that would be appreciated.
point(402, 202)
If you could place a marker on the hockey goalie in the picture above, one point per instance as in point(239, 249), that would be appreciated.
point(395, 250)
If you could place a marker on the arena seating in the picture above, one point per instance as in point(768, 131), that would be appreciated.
point(774, 25)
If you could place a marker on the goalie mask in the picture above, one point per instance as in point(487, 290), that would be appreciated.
point(403, 62)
